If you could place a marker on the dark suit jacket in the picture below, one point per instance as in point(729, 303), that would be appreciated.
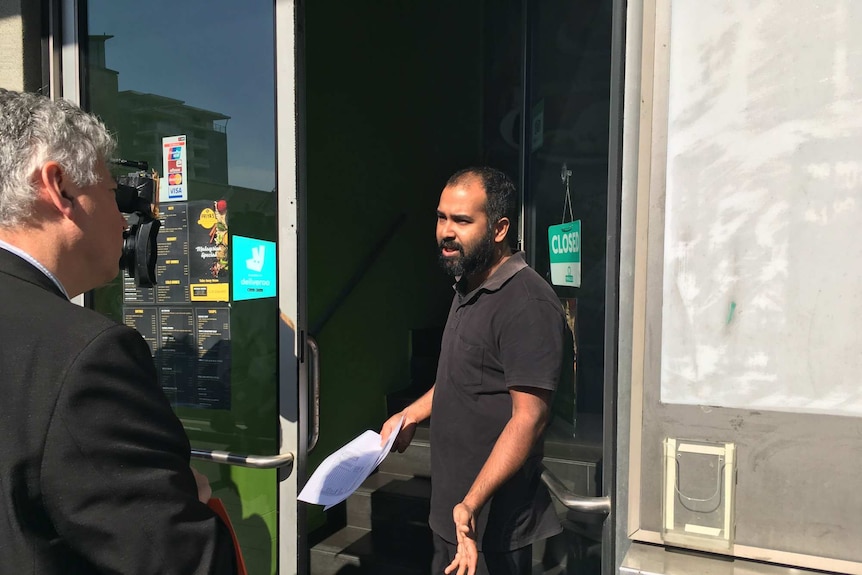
point(94, 465)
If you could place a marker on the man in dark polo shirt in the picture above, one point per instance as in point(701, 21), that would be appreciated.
point(500, 362)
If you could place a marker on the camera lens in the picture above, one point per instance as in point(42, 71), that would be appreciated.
point(140, 251)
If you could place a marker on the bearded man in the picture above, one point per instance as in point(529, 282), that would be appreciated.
point(500, 362)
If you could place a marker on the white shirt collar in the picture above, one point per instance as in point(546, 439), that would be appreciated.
point(22, 254)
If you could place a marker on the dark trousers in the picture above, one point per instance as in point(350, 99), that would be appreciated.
point(517, 562)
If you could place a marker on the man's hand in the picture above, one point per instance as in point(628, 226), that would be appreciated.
point(418, 411)
point(405, 436)
point(204, 489)
point(466, 555)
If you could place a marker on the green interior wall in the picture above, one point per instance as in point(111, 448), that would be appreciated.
point(394, 106)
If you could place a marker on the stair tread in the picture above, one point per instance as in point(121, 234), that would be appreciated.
point(360, 543)
point(396, 484)
point(378, 480)
point(341, 540)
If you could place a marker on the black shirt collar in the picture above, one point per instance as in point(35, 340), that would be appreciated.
point(501, 275)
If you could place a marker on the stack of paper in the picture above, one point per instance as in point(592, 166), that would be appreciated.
point(340, 474)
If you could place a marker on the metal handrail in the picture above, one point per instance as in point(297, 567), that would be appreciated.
point(592, 505)
point(252, 461)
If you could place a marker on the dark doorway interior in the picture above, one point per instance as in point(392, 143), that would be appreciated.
point(399, 95)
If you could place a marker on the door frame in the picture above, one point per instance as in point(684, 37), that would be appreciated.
point(292, 542)
point(610, 559)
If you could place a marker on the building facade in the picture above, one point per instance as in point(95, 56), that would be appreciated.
point(705, 150)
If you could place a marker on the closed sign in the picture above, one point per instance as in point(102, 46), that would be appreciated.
point(564, 244)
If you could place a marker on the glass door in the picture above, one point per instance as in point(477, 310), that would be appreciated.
point(194, 93)
point(565, 177)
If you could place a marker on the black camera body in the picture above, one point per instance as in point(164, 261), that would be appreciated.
point(135, 193)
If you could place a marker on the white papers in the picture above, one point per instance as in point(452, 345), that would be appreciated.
point(340, 474)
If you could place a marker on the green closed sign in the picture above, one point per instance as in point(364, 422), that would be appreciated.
point(564, 244)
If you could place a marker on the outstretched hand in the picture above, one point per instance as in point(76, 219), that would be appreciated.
point(466, 555)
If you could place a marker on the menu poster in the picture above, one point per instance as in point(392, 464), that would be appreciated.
point(213, 352)
point(145, 321)
point(193, 354)
point(133, 294)
point(188, 333)
point(209, 277)
point(192, 263)
point(172, 263)
point(175, 357)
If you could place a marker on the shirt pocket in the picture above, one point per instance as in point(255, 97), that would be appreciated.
point(467, 364)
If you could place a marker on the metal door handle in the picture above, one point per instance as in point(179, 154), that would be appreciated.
point(253, 461)
point(593, 505)
point(284, 459)
point(314, 378)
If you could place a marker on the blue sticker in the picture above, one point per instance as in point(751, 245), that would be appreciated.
point(253, 268)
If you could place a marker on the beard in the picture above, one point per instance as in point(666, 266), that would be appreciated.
point(476, 259)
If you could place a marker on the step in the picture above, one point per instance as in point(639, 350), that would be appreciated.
point(387, 530)
point(386, 498)
point(331, 555)
point(357, 551)
point(353, 550)
point(567, 554)
point(416, 459)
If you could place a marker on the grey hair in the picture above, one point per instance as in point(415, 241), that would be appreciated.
point(35, 130)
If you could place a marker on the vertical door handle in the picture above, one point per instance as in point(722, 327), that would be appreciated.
point(314, 380)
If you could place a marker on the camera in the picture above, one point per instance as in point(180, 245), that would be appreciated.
point(135, 193)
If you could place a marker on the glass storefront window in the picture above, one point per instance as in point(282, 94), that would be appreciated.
point(189, 88)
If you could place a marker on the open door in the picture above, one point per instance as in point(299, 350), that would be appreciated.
point(203, 101)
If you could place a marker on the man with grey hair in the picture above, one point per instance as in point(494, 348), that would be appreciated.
point(94, 465)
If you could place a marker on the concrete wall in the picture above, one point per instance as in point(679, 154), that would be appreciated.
point(20, 45)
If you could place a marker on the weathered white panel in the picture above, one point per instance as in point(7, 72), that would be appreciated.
point(11, 45)
point(762, 296)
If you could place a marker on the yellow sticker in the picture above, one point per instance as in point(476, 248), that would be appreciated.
point(209, 292)
point(207, 219)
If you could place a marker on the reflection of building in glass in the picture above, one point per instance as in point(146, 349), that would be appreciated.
point(141, 120)
point(145, 118)
point(103, 84)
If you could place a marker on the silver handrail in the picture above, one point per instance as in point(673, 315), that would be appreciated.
point(593, 505)
point(314, 357)
point(253, 461)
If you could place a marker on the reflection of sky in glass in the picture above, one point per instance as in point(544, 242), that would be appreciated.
point(212, 54)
